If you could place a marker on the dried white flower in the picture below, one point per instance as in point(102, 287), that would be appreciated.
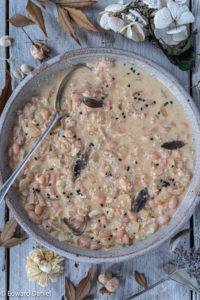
point(39, 51)
point(18, 74)
point(112, 285)
point(26, 69)
point(43, 266)
point(110, 282)
point(5, 41)
point(156, 4)
point(170, 22)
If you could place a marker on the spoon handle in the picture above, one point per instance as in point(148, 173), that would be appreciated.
point(6, 186)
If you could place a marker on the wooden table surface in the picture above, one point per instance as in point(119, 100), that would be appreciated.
point(12, 262)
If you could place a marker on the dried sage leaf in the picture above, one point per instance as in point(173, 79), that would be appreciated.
point(92, 102)
point(13, 242)
point(9, 230)
point(140, 201)
point(80, 19)
point(76, 227)
point(76, 3)
point(182, 277)
point(85, 285)
point(70, 290)
point(6, 92)
point(20, 21)
point(141, 279)
point(65, 22)
point(177, 238)
point(36, 15)
point(173, 145)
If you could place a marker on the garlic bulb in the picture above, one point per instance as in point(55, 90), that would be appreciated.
point(44, 266)
point(5, 41)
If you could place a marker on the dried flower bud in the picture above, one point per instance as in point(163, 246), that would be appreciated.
point(26, 69)
point(18, 74)
point(5, 41)
point(39, 51)
point(112, 285)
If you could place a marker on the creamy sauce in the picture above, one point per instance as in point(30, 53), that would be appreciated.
point(120, 147)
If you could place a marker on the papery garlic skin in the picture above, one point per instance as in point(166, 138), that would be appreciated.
point(39, 51)
point(5, 41)
point(44, 266)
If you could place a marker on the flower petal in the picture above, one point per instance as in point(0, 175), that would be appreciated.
point(115, 7)
point(177, 30)
point(174, 8)
point(156, 4)
point(163, 18)
point(103, 22)
point(186, 18)
point(138, 17)
point(161, 34)
point(135, 32)
point(180, 2)
point(181, 35)
point(116, 24)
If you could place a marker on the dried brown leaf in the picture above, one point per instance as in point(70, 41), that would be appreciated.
point(6, 92)
point(76, 3)
point(36, 15)
point(80, 19)
point(70, 291)
point(141, 279)
point(84, 287)
point(13, 242)
point(64, 21)
point(20, 21)
point(8, 230)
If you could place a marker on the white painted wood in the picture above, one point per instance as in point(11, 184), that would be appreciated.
point(3, 264)
point(196, 96)
point(150, 264)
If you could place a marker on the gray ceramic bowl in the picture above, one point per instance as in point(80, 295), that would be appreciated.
point(30, 86)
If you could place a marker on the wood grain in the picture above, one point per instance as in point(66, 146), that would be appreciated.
point(150, 264)
point(3, 259)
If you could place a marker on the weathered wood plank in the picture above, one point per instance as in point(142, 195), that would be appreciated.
point(3, 266)
point(151, 263)
point(196, 94)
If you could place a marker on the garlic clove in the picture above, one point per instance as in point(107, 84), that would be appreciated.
point(26, 69)
point(5, 41)
point(18, 74)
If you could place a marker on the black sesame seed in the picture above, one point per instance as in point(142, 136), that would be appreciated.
point(107, 85)
point(99, 221)
point(49, 184)
point(80, 113)
point(71, 194)
point(136, 162)
point(151, 139)
point(57, 196)
point(91, 144)
point(138, 74)
point(119, 159)
point(128, 85)
point(113, 78)
point(128, 73)
point(171, 102)
point(166, 103)
point(50, 133)
point(141, 108)
point(128, 168)
point(154, 102)
point(146, 105)
point(116, 118)
point(35, 158)
point(64, 193)
point(74, 136)
point(37, 124)
point(51, 169)
point(104, 226)
point(101, 204)
point(159, 113)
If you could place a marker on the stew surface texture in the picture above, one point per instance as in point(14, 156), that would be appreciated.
point(116, 168)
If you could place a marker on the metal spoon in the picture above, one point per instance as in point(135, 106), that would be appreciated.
point(59, 114)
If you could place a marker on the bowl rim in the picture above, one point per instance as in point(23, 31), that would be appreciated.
point(77, 253)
